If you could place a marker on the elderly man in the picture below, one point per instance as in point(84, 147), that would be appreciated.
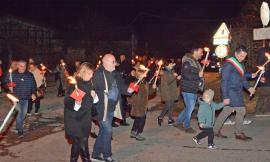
point(25, 90)
point(233, 80)
point(109, 86)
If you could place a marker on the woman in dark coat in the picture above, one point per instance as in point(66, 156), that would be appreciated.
point(77, 114)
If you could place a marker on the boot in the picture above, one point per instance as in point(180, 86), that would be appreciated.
point(85, 154)
point(242, 136)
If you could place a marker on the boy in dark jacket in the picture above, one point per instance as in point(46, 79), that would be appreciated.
point(206, 118)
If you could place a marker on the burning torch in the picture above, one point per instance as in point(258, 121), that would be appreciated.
point(205, 61)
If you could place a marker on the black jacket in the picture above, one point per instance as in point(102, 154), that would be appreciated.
point(99, 86)
point(190, 74)
point(78, 123)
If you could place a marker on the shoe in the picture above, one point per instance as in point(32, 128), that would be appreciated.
point(109, 159)
point(36, 114)
point(171, 122)
point(179, 126)
point(247, 121)
point(97, 159)
point(28, 114)
point(20, 134)
point(196, 140)
point(139, 137)
point(212, 146)
point(159, 120)
point(133, 134)
point(220, 135)
point(242, 136)
point(93, 135)
point(114, 125)
point(124, 124)
point(190, 130)
point(229, 122)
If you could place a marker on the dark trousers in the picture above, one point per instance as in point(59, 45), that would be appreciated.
point(79, 147)
point(30, 105)
point(138, 125)
point(168, 108)
point(124, 107)
point(206, 132)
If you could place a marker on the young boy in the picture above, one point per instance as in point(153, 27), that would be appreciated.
point(206, 118)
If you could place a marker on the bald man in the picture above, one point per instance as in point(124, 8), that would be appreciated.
point(107, 76)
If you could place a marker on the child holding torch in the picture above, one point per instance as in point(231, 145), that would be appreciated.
point(78, 104)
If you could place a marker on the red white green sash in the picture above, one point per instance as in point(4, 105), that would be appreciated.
point(239, 67)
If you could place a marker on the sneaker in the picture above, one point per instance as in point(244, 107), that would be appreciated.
point(190, 130)
point(97, 159)
point(212, 146)
point(133, 134)
point(109, 159)
point(171, 122)
point(159, 120)
point(247, 121)
point(36, 114)
point(28, 114)
point(196, 140)
point(139, 137)
point(229, 122)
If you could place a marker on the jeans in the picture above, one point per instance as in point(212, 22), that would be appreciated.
point(168, 108)
point(21, 107)
point(139, 124)
point(184, 116)
point(227, 111)
point(30, 105)
point(207, 132)
point(103, 143)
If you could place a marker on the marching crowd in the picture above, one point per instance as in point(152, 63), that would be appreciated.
point(108, 92)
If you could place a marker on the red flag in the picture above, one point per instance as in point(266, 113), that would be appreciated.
point(77, 94)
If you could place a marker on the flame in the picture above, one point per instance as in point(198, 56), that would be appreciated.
point(100, 56)
point(72, 80)
point(152, 62)
point(142, 67)
point(63, 64)
point(260, 67)
point(267, 55)
point(206, 49)
point(10, 70)
point(99, 62)
point(12, 98)
point(160, 63)
point(137, 57)
point(43, 67)
point(132, 61)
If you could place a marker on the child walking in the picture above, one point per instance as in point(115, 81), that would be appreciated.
point(206, 118)
point(139, 102)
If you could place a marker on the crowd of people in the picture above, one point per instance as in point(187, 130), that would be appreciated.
point(100, 92)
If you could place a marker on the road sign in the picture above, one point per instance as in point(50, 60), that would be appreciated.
point(261, 33)
point(265, 13)
point(221, 51)
point(222, 35)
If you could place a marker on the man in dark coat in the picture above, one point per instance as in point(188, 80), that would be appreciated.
point(233, 81)
point(192, 75)
point(263, 102)
point(109, 86)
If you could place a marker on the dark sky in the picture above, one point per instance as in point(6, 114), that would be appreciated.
point(166, 25)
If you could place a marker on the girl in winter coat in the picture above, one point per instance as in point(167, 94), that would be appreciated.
point(77, 115)
point(139, 102)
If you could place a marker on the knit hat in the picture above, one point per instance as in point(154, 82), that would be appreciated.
point(210, 93)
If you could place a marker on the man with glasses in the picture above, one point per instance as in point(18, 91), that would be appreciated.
point(109, 86)
point(25, 90)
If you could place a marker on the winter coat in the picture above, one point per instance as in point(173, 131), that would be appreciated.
point(25, 84)
point(139, 100)
point(78, 123)
point(190, 79)
point(168, 86)
point(206, 113)
point(232, 84)
point(99, 86)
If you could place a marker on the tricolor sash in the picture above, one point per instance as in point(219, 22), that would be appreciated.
point(239, 67)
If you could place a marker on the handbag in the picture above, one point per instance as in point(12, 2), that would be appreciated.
point(41, 92)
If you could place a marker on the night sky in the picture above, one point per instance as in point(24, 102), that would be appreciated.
point(166, 27)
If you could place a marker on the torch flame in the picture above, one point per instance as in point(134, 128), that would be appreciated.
point(99, 62)
point(10, 70)
point(160, 63)
point(206, 49)
point(142, 67)
point(260, 67)
point(132, 61)
point(267, 55)
point(12, 98)
point(72, 80)
point(137, 57)
point(63, 64)
point(43, 67)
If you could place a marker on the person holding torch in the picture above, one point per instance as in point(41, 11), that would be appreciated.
point(78, 104)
